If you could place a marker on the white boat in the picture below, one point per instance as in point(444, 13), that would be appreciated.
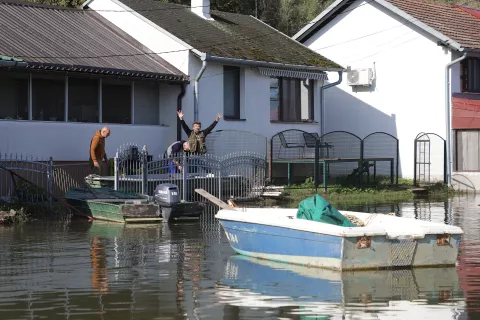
point(384, 241)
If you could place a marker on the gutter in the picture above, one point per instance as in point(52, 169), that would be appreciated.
point(16, 64)
point(448, 114)
point(322, 101)
point(179, 107)
point(195, 89)
point(243, 62)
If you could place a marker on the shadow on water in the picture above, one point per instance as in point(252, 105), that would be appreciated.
point(79, 270)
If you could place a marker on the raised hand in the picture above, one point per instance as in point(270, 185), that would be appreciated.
point(180, 114)
point(219, 116)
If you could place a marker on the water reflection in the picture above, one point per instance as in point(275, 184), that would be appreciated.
point(79, 270)
point(429, 293)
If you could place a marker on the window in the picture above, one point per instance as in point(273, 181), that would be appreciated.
point(291, 100)
point(146, 103)
point(466, 150)
point(470, 75)
point(117, 103)
point(231, 92)
point(82, 100)
point(48, 98)
point(13, 96)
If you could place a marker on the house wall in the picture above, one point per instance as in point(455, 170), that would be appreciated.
point(254, 102)
point(407, 95)
point(255, 88)
point(148, 34)
point(70, 141)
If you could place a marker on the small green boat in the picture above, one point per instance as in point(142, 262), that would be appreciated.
point(110, 205)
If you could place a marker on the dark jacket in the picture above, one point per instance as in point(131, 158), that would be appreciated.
point(197, 140)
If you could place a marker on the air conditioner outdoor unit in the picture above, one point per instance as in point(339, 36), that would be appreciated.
point(360, 77)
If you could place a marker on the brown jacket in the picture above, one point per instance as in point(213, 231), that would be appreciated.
point(97, 147)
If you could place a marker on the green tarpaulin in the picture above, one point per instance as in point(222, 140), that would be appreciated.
point(318, 209)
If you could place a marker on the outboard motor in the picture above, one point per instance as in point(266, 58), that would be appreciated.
point(170, 207)
point(167, 197)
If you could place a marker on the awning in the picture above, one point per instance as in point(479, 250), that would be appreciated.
point(293, 73)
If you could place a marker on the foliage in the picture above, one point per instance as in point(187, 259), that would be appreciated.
point(288, 16)
point(378, 192)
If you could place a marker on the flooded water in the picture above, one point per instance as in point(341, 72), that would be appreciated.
point(78, 270)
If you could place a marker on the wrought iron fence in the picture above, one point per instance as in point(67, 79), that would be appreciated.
point(339, 157)
point(29, 179)
point(236, 175)
point(26, 179)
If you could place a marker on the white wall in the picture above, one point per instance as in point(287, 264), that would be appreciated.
point(407, 96)
point(254, 102)
point(148, 34)
point(71, 141)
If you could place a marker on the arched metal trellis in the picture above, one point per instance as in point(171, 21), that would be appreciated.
point(294, 147)
point(423, 160)
point(339, 156)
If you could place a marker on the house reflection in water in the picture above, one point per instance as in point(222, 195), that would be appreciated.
point(99, 278)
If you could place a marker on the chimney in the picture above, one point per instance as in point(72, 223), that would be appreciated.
point(201, 8)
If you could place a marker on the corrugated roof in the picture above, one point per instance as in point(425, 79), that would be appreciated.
point(56, 38)
point(229, 35)
point(449, 20)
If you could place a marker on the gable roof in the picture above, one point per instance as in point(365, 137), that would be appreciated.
point(452, 25)
point(229, 35)
point(472, 11)
point(60, 39)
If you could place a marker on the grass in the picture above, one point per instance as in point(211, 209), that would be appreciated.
point(341, 191)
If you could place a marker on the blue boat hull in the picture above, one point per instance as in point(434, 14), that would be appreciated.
point(336, 252)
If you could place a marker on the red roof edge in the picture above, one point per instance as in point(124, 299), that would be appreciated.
point(472, 11)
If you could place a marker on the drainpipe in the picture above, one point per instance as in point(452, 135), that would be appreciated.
point(322, 101)
point(448, 114)
point(195, 88)
point(179, 107)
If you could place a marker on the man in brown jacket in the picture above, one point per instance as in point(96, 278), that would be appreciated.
point(97, 151)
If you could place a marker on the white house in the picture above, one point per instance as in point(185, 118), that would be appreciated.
point(65, 73)
point(234, 61)
point(400, 55)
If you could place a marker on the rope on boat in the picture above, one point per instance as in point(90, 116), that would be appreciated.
point(361, 223)
point(355, 220)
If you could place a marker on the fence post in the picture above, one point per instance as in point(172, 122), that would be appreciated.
point(220, 167)
point(50, 182)
point(316, 165)
point(184, 176)
point(445, 178)
point(115, 172)
point(270, 163)
point(398, 160)
point(144, 173)
point(361, 163)
point(415, 162)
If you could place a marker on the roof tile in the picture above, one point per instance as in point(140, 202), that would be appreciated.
point(452, 21)
point(229, 35)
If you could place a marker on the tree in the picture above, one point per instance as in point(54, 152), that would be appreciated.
point(288, 16)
